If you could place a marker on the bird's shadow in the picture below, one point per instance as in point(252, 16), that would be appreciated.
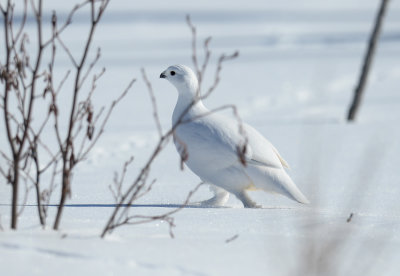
point(149, 205)
point(113, 205)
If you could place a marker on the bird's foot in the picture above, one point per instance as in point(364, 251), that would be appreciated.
point(216, 201)
point(252, 204)
point(246, 200)
point(219, 199)
point(212, 202)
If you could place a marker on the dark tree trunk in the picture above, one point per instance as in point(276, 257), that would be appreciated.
point(359, 91)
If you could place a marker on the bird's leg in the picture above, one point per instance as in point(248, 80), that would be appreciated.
point(220, 197)
point(246, 200)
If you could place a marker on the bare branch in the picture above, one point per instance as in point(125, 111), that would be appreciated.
point(182, 149)
point(20, 78)
point(200, 71)
point(16, 37)
point(35, 158)
point(217, 77)
point(194, 45)
point(140, 219)
point(105, 120)
point(13, 72)
point(116, 188)
point(153, 102)
point(61, 84)
point(66, 23)
point(91, 65)
point(66, 50)
point(207, 55)
point(25, 198)
point(69, 159)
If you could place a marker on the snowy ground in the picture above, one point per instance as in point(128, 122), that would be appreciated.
point(293, 81)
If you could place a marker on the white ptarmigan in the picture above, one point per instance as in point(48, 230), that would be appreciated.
point(211, 140)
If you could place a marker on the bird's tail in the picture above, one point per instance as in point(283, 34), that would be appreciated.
point(291, 190)
point(299, 196)
point(283, 184)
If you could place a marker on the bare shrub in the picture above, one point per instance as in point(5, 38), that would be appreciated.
point(32, 92)
point(19, 75)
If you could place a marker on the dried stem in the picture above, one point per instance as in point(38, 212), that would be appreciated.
point(80, 111)
point(153, 101)
point(140, 219)
point(12, 73)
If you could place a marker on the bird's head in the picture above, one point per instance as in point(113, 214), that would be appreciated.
point(183, 78)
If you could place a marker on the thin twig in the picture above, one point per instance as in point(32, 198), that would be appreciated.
point(67, 22)
point(107, 116)
point(90, 68)
point(231, 239)
point(217, 74)
point(194, 44)
point(140, 219)
point(349, 218)
point(69, 158)
point(116, 188)
point(67, 51)
point(153, 102)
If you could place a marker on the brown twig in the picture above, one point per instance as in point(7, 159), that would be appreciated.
point(67, 146)
point(153, 102)
point(67, 22)
point(231, 239)
point(95, 138)
point(116, 188)
point(140, 219)
point(349, 218)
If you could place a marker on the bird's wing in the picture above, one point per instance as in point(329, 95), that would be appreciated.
point(263, 153)
point(283, 161)
point(216, 139)
point(209, 141)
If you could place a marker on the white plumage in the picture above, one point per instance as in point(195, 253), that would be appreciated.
point(211, 142)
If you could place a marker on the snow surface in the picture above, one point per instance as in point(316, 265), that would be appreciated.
point(304, 60)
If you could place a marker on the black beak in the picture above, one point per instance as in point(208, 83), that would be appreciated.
point(163, 76)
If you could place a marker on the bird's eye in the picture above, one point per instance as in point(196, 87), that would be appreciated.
point(172, 73)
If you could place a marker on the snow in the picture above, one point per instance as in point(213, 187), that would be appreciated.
point(304, 61)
